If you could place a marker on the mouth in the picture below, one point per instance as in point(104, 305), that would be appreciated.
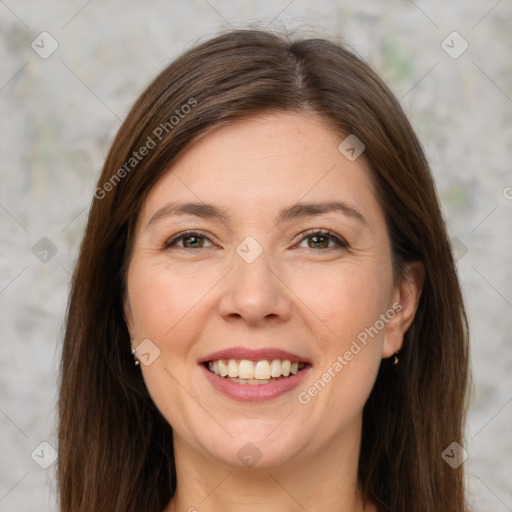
point(255, 375)
point(258, 372)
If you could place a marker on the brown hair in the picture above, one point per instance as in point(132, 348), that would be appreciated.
point(115, 448)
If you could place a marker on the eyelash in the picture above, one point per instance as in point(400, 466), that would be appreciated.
point(308, 234)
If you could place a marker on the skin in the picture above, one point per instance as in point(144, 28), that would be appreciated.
point(303, 294)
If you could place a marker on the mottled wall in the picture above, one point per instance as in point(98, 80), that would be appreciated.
point(60, 111)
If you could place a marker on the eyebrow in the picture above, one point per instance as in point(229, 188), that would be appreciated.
point(298, 210)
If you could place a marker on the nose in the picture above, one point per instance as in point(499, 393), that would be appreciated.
point(256, 293)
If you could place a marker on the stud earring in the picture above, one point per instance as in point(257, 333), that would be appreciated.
point(135, 357)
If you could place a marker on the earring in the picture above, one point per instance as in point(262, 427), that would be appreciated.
point(135, 357)
point(395, 359)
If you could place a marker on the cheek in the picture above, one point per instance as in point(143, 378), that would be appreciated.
point(350, 336)
point(161, 299)
point(346, 301)
point(165, 305)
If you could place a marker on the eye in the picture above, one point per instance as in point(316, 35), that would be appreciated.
point(321, 238)
point(194, 239)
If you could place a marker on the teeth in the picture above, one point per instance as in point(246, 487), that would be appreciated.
point(232, 368)
point(223, 369)
point(248, 381)
point(246, 369)
point(275, 368)
point(285, 368)
point(254, 372)
point(262, 370)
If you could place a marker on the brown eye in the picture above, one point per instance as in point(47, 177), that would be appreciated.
point(320, 240)
point(191, 240)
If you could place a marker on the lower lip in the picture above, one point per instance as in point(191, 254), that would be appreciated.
point(255, 392)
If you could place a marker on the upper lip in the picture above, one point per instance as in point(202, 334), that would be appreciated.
point(253, 354)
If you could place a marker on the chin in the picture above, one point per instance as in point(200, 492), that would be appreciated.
point(256, 452)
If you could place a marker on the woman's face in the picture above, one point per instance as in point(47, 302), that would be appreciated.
point(258, 281)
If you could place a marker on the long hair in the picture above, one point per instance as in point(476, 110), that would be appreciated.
point(115, 448)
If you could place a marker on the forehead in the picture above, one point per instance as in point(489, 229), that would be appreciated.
point(271, 159)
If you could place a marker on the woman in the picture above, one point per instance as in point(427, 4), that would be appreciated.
point(265, 312)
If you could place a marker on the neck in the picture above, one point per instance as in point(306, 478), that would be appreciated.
point(319, 481)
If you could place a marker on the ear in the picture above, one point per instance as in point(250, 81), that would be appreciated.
point(404, 302)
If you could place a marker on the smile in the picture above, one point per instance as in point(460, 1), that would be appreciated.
point(245, 371)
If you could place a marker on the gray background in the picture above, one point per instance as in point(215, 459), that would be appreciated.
point(58, 117)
